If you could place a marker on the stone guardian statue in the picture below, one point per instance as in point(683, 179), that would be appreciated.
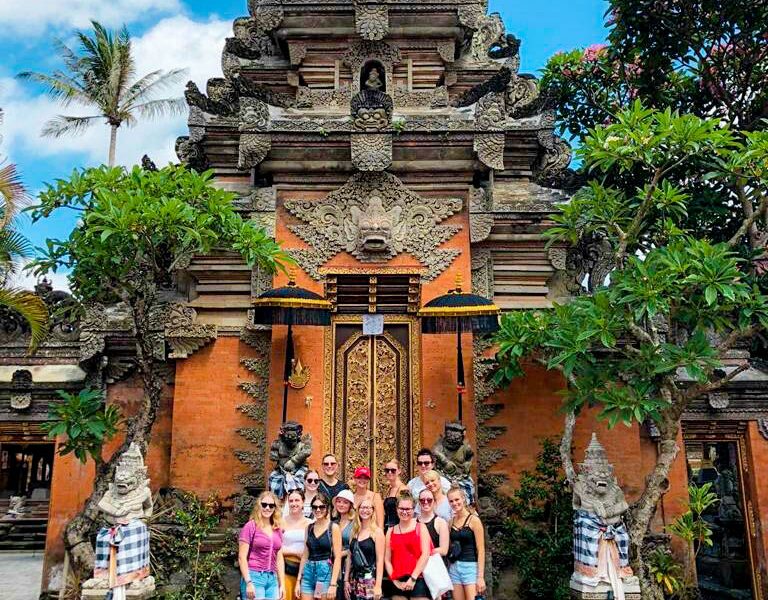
point(289, 452)
point(600, 538)
point(121, 570)
point(453, 457)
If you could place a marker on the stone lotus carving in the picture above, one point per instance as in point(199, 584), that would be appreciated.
point(289, 452)
point(371, 22)
point(601, 541)
point(374, 217)
point(453, 457)
point(122, 547)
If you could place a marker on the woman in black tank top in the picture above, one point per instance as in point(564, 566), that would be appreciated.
point(396, 485)
point(436, 526)
point(365, 568)
point(467, 547)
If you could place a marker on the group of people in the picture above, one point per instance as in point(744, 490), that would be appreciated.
point(332, 542)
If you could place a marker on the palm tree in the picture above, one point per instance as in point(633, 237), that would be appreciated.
point(14, 246)
point(103, 76)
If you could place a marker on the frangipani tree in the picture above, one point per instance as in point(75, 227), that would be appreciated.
point(654, 334)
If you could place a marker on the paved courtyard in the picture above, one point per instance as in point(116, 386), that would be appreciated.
point(20, 573)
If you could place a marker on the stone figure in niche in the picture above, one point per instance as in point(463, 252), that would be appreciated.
point(373, 82)
point(122, 546)
point(453, 456)
point(289, 452)
point(371, 230)
point(601, 540)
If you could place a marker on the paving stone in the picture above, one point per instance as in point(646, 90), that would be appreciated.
point(21, 574)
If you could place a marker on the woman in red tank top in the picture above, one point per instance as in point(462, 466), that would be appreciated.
point(406, 553)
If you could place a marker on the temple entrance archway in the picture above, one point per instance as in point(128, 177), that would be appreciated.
point(373, 402)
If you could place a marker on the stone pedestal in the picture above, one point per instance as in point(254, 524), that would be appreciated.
point(603, 591)
point(144, 591)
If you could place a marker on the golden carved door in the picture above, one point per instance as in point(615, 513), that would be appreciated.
point(374, 416)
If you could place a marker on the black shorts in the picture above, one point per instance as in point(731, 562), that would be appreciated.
point(420, 589)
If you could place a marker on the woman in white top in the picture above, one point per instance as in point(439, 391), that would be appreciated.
point(294, 539)
point(441, 507)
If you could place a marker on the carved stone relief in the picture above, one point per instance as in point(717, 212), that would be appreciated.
point(21, 392)
point(256, 408)
point(254, 114)
point(490, 114)
point(490, 149)
point(363, 50)
point(522, 92)
point(554, 159)
point(371, 22)
point(268, 14)
point(374, 217)
point(371, 111)
point(487, 456)
point(183, 335)
point(311, 98)
point(371, 152)
point(482, 273)
point(480, 217)
point(253, 149)
point(447, 51)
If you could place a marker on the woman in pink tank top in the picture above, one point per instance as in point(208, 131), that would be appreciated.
point(260, 557)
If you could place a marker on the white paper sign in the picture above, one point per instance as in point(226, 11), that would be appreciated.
point(373, 324)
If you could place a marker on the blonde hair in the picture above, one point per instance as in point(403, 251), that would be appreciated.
point(357, 524)
point(394, 460)
point(277, 515)
point(430, 476)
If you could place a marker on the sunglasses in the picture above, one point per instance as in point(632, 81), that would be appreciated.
point(268, 505)
point(319, 507)
point(389, 470)
point(329, 464)
point(311, 480)
point(426, 500)
point(405, 510)
point(423, 463)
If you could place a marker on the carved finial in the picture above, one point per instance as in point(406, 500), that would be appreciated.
point(459, 283)
point(292, 276)
point(595, 456)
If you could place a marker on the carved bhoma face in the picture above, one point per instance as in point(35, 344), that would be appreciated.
point(126, 480)
point(600, 481)
point(375, 227)
point(290, 433)
point(371, 119)
point(453, 437)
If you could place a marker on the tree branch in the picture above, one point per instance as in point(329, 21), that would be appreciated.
point(565, 446)
point(751, 215)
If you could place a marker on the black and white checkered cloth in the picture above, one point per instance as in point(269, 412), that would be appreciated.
point(132, 543)
point(282, 483)
point(588, 529)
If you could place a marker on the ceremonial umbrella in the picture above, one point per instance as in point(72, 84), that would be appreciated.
point(290, 305)
point(459, 311)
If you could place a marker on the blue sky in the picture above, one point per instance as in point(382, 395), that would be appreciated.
point(178, 33)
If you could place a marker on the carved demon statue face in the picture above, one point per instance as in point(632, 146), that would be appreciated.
point(290, 433)
point(375, 225)
point(453, 437)
point(371, 119)
point(600, 481)
point(130, 473)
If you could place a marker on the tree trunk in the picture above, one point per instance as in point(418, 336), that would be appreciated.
point(641, 512)
point(138, 430)
point(112, 144)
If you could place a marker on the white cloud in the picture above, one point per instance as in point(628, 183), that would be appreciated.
point(25, 280)
point(175, 42)
point(24, 17)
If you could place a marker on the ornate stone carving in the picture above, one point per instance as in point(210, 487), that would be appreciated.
point(191, 153)
point(482, 367)
point(447, 51)
point(497, 84)
point(253, 149)
point(434, 98)
point(599, 504)
point(268, 14)
point(289, 452)
point(254, 114)
point(311, 98)
point(490, 113)
point(21, 393)
point(258, 390)
point(350, 218)
point(297, 52)
point(482, 274)
point(480, 215)
point(125, 539)
point(371, 152)
point(362, 51)
point(489, 33)
point(718, 400)
point(453, 456)
point(522, 92)
point(183, 335)
point(371, 21)
point(371, 110)
point(471, 15)
point(490, 149)
point(507, 46)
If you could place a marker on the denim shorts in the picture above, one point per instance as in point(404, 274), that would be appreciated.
point(265, 583)
point(316, 571)
point(463, 573)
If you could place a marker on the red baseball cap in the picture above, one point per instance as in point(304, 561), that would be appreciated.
point(362, 472)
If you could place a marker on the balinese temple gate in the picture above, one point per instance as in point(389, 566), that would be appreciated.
point(391, 147)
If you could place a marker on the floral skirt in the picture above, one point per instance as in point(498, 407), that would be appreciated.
point(362, 587)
